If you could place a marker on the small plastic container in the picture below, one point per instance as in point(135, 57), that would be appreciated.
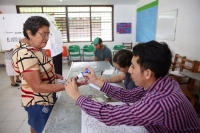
point(81, 75)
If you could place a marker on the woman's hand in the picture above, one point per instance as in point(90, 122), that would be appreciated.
point(72, 89)
point(58, 76)
point(83, 82)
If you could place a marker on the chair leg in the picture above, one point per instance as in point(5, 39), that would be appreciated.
point(69, 63)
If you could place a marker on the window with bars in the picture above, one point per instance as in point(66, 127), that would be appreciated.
point(78, 23)
point(59, 14)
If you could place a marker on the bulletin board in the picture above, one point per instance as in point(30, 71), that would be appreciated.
point(166, 25)
point(123, 28)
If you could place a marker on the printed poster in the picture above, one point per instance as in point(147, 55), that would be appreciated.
point(123, 28)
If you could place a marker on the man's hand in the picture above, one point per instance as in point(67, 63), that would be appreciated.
point(91, 76)
point(72, 89)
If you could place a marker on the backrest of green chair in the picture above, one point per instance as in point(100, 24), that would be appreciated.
point(88, 48)
point(74, 48)
point(118, 47)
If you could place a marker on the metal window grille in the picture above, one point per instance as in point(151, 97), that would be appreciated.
point(78, 23)
point(59, 14)
point(101, 20)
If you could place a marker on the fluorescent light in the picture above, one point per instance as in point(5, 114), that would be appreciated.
point(60, 0)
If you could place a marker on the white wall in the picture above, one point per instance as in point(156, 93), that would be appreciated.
point(8, 9)
point(143, 2)
point(188, 28)
point(125, 13)
point(122, 13)
point(187, 31)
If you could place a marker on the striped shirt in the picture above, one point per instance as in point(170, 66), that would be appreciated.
point(163, 108)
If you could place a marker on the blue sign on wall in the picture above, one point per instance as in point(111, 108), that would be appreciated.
point(146, 24)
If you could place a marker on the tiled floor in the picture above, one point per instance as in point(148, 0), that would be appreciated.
point(13, 117)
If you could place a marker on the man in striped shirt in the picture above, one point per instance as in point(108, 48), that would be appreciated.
point(158, 104)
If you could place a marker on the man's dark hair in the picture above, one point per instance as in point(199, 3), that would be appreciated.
point(123, 58)
point(33, 23)
point(154, 56)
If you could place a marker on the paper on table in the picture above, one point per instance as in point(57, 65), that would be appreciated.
point(177, 73)
point(94, 86)
point(61, 81)
point(99, 99)
point(108, 71)
point(92, 125)
point(114, 84)
point(98, 88)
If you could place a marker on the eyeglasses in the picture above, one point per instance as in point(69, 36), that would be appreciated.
point(44, 35)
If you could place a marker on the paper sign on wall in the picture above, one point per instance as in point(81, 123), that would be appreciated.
point(10, 39)
point(123, 28)
point(11, 29)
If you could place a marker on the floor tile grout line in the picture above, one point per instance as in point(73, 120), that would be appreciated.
point(8, 115)
point(20, 126)
point(5, 84)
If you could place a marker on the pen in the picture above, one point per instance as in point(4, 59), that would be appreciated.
point(90, 96)
point(101, 75)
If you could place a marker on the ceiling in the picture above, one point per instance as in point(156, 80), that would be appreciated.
point(68, 2)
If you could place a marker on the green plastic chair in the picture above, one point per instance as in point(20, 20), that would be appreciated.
point(74, 51)
point(117, 48)
point(88, 51)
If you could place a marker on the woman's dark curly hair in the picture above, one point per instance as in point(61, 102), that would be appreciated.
point(123, 58)
point(33, 23)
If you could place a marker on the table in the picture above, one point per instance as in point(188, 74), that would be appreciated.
point(176, 75)
point(191, 75)
point(66, 115)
